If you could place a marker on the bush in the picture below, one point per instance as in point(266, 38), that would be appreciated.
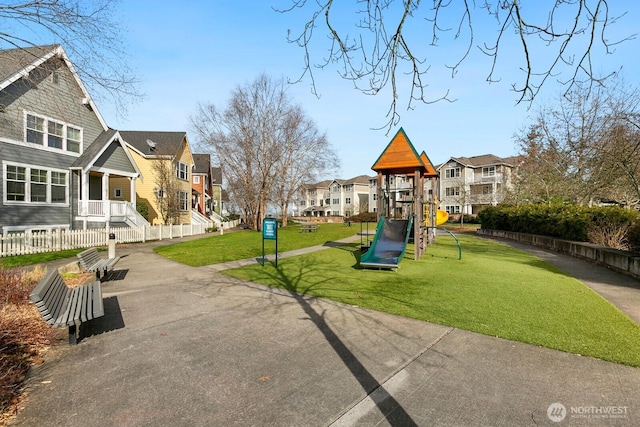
point(143, 209)
point(363, 217)
point(610, 226)
point(23, 336)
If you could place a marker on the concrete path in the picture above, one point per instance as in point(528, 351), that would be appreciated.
point(183, 346)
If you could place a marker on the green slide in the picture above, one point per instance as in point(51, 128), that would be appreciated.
point(389, 243)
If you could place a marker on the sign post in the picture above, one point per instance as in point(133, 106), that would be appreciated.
point(269, 232)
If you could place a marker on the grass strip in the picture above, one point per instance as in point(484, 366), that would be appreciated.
point(248, 244)
point(495, 290)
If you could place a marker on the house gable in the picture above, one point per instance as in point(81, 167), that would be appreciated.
point(48, 89)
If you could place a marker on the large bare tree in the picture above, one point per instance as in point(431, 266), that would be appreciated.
point(585, 147)
point(264, 143)
point(375, 42)
point(305, 153)
point(88, 30)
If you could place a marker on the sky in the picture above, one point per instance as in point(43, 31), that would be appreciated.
point(196, 52)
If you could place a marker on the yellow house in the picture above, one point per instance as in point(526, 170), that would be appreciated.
point(166, 163)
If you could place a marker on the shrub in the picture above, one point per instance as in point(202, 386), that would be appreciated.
point(23, 335)
point(608, 226)
point(143, 209)
point(363, 217)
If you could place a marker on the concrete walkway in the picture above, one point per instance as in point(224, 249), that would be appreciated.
point(184, 346)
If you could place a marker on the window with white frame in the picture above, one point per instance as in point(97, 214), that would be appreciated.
point(488, 171)
point(375, 196)
point(182, 171)
point(27, 184)
point(348, 187)
point(335, 201)
point(452, 191)
point(303, 203)
point(452, 209)
point(74, 139)
point(487, 189)
point(160, 193)
point(55, 134)
point(183, 200)
point(347, 201)
point(51, 133)
point(452, 173)
point(196, 179)
point(335, 188)
point(117, 193)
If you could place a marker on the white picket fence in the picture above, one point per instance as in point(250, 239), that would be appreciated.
point(57, 240)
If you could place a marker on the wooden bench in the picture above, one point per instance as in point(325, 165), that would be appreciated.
point(62, 306)
point(307, 228)
point(91, 261)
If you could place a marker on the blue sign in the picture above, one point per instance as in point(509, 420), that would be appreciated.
point(270, 229)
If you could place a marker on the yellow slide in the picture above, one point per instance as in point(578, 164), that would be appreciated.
point(441, 217)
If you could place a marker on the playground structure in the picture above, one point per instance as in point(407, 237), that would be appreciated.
point(405, 209)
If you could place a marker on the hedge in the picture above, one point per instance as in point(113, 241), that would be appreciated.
point(569, 222)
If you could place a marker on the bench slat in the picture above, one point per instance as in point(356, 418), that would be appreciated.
point(62, 306)
point(91, 261)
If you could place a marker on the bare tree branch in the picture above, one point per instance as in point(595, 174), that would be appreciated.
point(375, 59)
point(87, 30)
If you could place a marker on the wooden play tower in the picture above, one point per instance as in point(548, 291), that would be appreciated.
point(398, 160)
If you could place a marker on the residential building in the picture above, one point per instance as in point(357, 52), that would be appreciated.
point(201, 184)
point(468, 184)
point(166, 162)
point(59, 158)
point(219, 196)
point(335, 197)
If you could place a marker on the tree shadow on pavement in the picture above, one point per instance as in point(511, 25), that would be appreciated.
point(393, 412)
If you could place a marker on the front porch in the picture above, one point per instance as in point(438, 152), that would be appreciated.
point(105, 212)
point(95, 208)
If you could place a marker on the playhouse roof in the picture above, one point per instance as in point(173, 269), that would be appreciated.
point(399, 157)
point(430, 170)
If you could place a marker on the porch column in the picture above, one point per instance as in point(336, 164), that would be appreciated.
point(132, 191)
point(106, 207)
point(84, 190)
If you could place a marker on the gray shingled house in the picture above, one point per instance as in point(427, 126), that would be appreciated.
point(58, 155)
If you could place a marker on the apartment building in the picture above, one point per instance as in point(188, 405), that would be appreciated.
point(468, 184)
point(336, 197)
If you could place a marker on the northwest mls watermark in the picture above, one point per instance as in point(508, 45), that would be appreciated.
point(557, 412)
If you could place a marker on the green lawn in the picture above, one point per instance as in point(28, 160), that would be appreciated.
point(32, 259)
point(494, 290)
point(248, 244)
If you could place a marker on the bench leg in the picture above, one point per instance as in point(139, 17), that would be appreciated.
point(73, 336)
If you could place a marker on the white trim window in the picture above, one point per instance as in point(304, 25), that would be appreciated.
point(488, 171)
point(452, 191)
point(50, 133)
point(196, 179)
point(34, 185)
point(452, 209)
point(183, 201)
point(182, 171)
point(452, 173)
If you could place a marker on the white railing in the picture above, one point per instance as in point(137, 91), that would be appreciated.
point(198, 218)
point(133, 217)
point(57, 240)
